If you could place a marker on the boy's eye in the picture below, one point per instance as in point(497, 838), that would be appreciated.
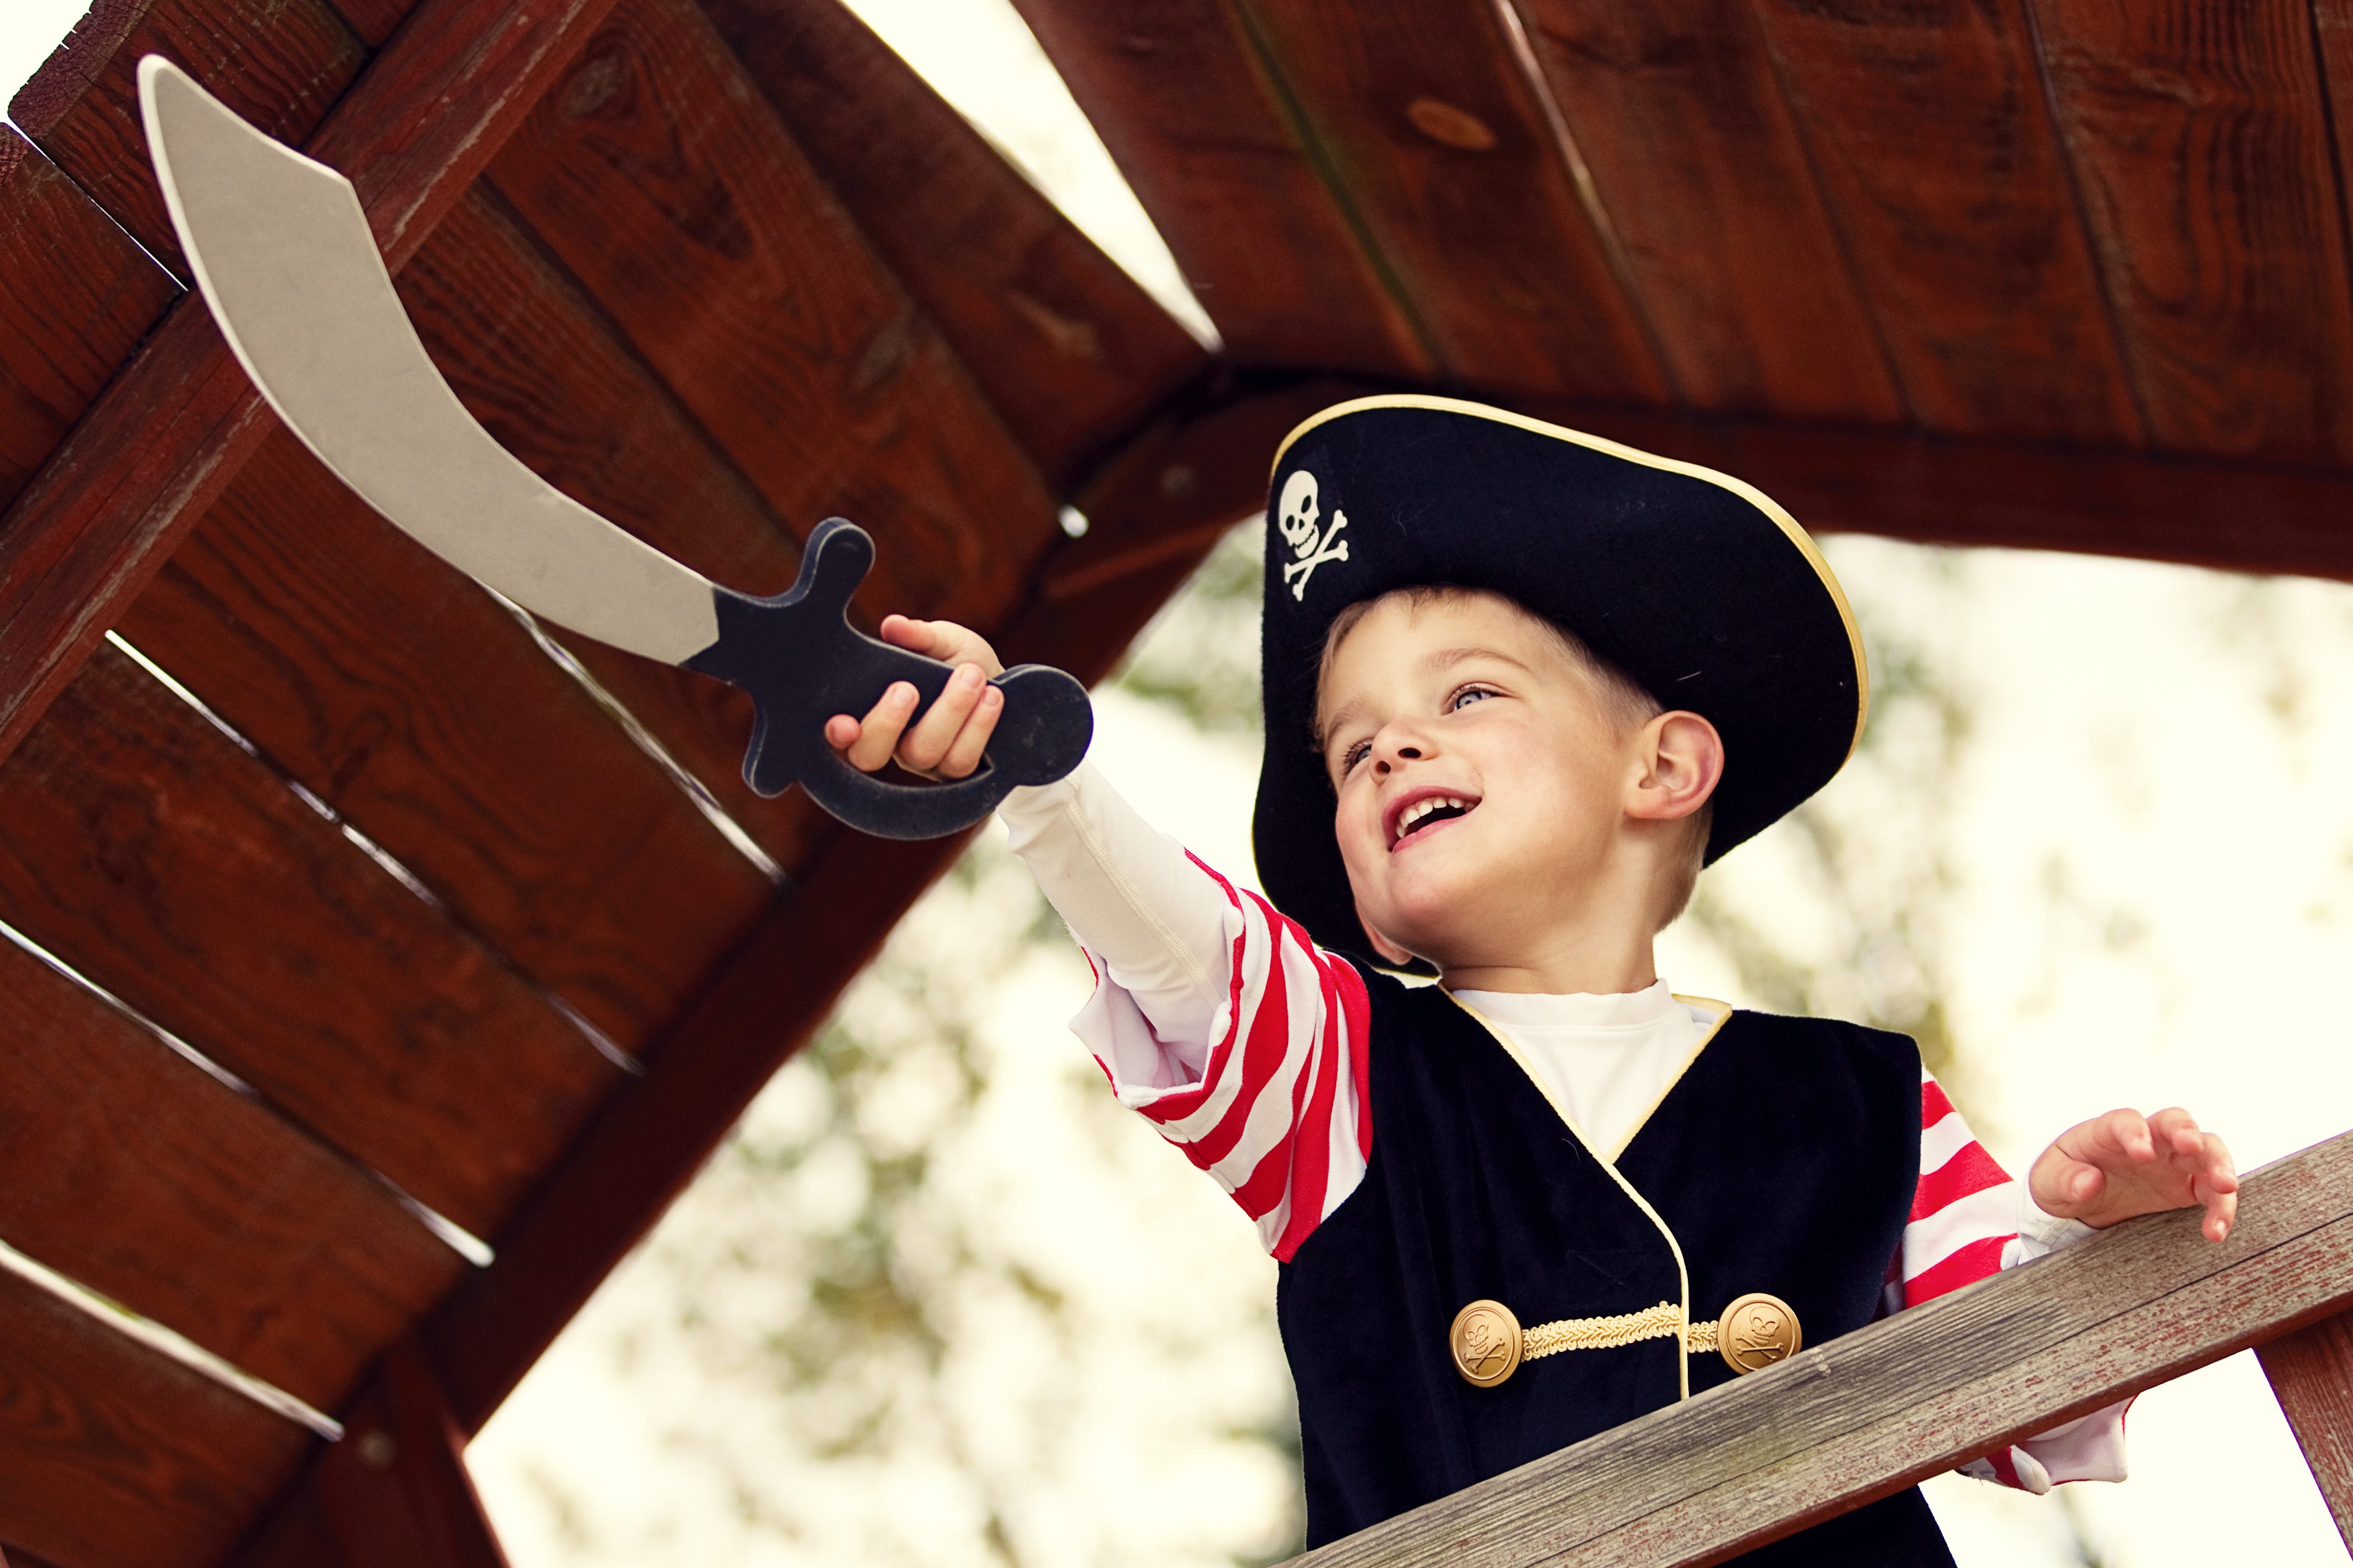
point(1465, 697)
point(1353, 755)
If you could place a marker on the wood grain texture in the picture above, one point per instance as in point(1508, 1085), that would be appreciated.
point(166, 436)
point(1679, 114)
point(280, 67)
point(1068, 349)
point(781, 983)
point(534, 359)
point(2200, 135)
point(1874, 1411)
point(1442, 148)
point(398, 691)
point(128, 1169)
point(1928, 127)
point(655, 172)
point(145, 849)
point(373, 20)
point(114, 1456)
point(396, 1493)
point(76, 296)
point(2311, 1372)
point(1204, 136)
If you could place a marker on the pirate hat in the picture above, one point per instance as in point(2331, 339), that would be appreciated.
point(1695, 584)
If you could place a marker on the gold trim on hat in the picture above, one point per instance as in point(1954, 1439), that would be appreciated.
point(1787, 524)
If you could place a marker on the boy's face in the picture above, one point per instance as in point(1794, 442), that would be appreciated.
point(1480, 776)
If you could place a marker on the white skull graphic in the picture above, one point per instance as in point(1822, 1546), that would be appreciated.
point(1302, 513)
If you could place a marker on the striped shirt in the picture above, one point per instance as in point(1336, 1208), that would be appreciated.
point(1277, 1112)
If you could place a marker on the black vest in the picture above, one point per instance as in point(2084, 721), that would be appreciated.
point(1784, 1160)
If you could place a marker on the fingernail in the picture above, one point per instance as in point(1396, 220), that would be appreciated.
point(992, 697)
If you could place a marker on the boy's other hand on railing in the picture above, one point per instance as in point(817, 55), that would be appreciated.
point(947, 742)
point(2124, 1163)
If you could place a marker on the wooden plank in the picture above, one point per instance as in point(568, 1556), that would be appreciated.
point(130, 1171)
point(149, 852)
point(281, 66)
point(2311, 1372)
point(1215, 155)
point(778, 986)
point(1928, 128)
point(1871, 1413)
point(654, 171)
point(114, 1456)
point(2202, 138)
point(166, 438)
point(373, 21)
point(1444, 149)
point(534, 359)
point(76, 296)
point(401, 694)
point(1678, 113)
point(2232, 515)
point(1068, 349)
point(396, 1492)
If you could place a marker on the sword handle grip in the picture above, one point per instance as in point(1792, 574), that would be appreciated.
point(803, 662)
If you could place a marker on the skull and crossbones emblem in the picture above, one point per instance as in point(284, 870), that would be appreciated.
point(1300, 519)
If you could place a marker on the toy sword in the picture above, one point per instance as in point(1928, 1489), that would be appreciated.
point(282, 250)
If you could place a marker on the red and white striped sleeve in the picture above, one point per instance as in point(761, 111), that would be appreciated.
point(1276, 1110)
point(1967, 1216)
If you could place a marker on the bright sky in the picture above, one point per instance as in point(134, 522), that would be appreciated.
point(2171, 752)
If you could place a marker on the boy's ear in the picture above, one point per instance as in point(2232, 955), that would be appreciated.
point(1682, 759)
point(1389, 950)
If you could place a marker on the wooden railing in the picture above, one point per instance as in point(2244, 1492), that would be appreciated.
point(1915, 1395)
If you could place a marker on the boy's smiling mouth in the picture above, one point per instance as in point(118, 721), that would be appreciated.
point(1424, 809)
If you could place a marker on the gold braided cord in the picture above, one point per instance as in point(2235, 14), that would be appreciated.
point(1662, 1321)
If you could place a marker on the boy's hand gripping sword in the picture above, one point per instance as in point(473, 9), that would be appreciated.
point(283, 253)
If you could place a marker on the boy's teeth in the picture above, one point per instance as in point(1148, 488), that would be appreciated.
point(1421, 808)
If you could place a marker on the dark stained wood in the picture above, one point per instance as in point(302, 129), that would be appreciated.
point(163, 441)
point(373, 20)
point(1928, 127)
point(1676, 109)
point(1204, 136)
point(395, 1492)
point(112, 1456)
point(1910, 1395)
point(280, 67)
point(145, 849)
point(2202, 138)
point(292, 1533)
point(2233, 515)
point(2311, 1372)
point(722, 255)
point(1442, 148)
point(780, 983)
point(76, 296)
point(1070, 350)
point(532, 359)
point(400, 693)
point(134, 1173)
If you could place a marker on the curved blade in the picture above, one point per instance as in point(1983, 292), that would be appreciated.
point(284, 255)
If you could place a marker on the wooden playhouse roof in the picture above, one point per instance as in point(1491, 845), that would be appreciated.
point(450, 928)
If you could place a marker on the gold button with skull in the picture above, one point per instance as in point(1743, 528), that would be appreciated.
point(1485, 1341)
point(1757, 1330)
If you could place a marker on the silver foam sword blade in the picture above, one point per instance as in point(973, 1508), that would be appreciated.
point(284, 255)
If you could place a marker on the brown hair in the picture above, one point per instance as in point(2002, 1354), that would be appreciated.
point(1623, 697)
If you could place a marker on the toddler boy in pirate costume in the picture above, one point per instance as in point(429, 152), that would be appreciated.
point(1520, 684)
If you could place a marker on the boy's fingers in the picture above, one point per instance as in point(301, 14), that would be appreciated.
point(878, 736)
point(972, 741)
point(926, 745)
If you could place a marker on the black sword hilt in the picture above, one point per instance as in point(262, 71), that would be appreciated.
point(803, 662)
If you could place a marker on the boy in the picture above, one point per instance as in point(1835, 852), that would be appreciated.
point(1474, 623)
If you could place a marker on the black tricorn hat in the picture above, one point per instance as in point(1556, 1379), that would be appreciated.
point(1697, 586)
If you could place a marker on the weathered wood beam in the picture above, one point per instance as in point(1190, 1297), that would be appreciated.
point(2233, 515)
point(395, 1492)
point(1878, 1410)
point(2311, 1372)
point(166, 437)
